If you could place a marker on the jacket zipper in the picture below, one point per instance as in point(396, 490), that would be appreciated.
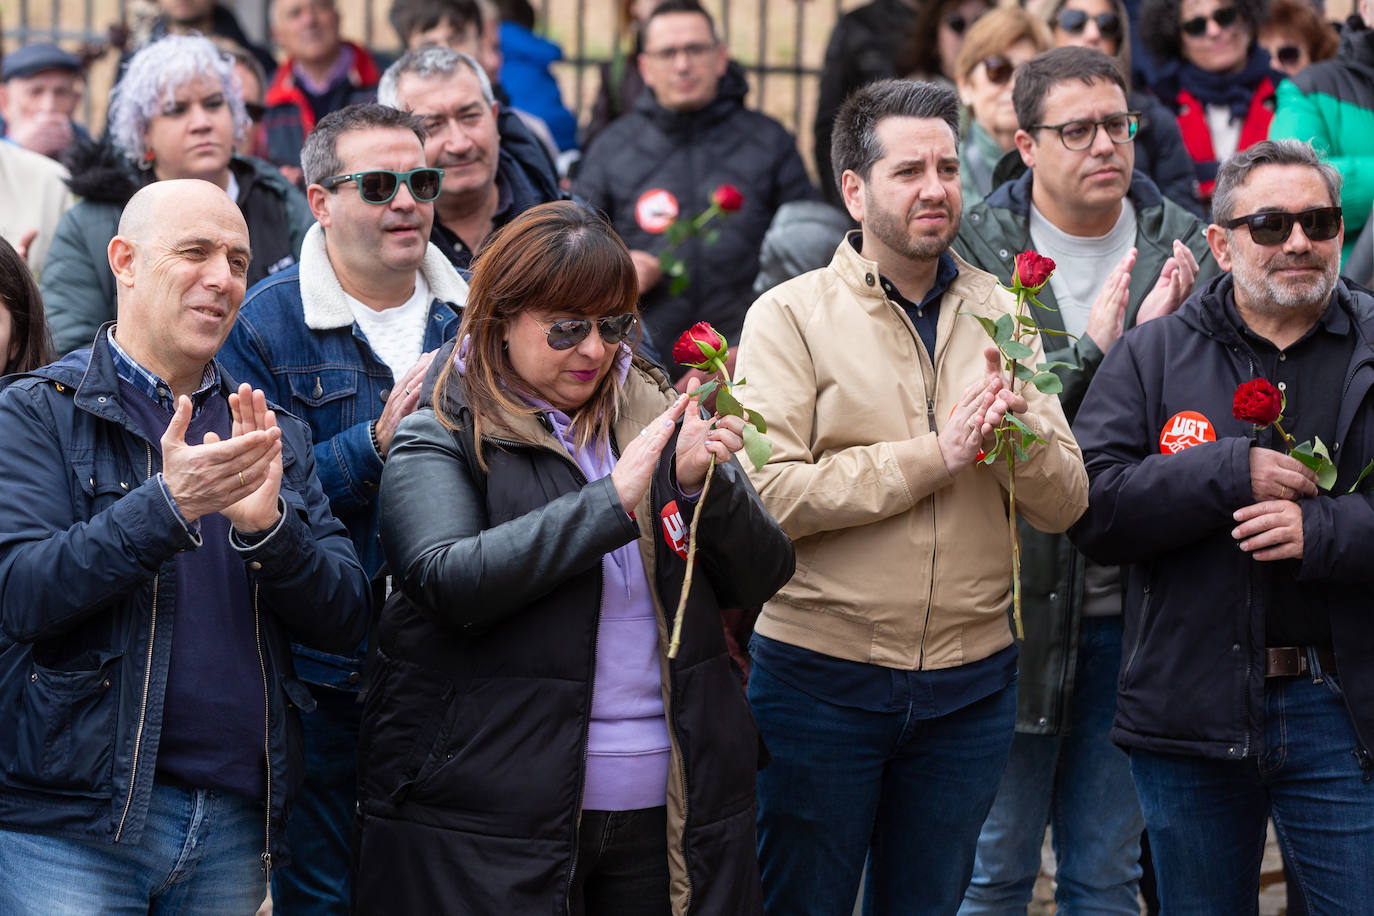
point(147, 680)
point(266, 735)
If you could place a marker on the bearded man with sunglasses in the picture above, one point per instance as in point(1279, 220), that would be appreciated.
point(1125, 254)
point(1248, 682)
point(342, 340)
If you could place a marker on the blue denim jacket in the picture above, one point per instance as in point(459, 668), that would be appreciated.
point(296, 340)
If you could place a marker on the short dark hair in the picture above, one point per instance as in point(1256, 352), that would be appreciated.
point(1163, 33)
point(411, 16)
point(679, 6)
point(1235, 170)
point(854, 144)
point(319, 156)
point(1038, 76)
point(20, 297)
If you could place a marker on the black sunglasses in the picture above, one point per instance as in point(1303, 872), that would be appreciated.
point(1272, 227)
point(378, 186)
point(1288, 55)
point(254, 111)
point(957, 23)
point(569, 332)
point(1075, 21)
point(999, 69)
point(1225, 17)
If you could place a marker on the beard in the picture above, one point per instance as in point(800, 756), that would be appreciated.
point(894, 230)
point(1267, 293)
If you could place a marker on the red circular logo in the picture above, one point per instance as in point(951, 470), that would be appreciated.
point(656, 210)
point(1184, 430)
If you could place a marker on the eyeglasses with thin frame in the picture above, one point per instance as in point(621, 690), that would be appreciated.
point(1080, 134)
point(694, 52)
point(1224, 17)
point(998, 69)
point(1075, 21)
point(1272, 227)
point(567, 333)
point(378, 186)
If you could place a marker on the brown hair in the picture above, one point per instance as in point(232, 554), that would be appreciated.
point(1302, 21)
point(995, 32)
point(20, 297)
point(560, 255)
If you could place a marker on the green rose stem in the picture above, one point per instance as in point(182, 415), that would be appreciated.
point(717, 367)
point(1015, 546)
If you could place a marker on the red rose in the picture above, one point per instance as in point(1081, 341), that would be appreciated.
point(1033, 270)
point(699, 346)
point(728, 198)
point(1257, 402)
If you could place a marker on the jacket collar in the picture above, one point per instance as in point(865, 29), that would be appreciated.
point(1016, 195)
point(322, 298)
point(862, 276)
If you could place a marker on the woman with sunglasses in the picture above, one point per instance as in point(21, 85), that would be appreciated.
point(1295, 34)
point(1213, 75)
point(1159, 151)
point(527, 746)
point(933, 44)
point(998, 43)
point(176, 113)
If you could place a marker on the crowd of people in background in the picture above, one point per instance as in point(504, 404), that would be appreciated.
point(352, 473)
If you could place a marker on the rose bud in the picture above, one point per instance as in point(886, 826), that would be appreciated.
point(1257, 402)
point(1033, 270)
point(700, 346)
point(728, 198)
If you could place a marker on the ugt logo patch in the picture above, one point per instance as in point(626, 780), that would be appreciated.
point(675, 529)
point(1184, 430)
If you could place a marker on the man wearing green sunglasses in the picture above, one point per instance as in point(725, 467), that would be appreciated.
point(343, 341)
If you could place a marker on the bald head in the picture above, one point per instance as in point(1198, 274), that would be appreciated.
point(180, 262)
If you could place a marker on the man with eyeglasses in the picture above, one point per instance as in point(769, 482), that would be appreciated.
point(342, 340)
point(1125, 254)
point(689, 134)
point(1331, 105)
point(1248, 682)
point(494, 168)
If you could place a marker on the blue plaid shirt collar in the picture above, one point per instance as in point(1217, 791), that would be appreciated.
point(155, 388)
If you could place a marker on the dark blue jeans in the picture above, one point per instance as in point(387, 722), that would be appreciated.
point(1206, 817)
point(848, 784)
point(1079, 784)
point(320, 831)
point(622, 864)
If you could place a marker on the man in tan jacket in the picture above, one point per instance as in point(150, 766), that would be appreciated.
point(884, 672)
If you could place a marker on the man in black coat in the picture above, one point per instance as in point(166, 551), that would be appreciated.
point(494, 168)
point(1247, 686)
point(686, 137)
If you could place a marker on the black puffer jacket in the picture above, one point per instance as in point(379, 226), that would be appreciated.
point(78, 287)
point(690, 154)
point(1192, 676)
point(474, 732)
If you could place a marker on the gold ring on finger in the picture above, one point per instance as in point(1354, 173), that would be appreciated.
point(242, 482)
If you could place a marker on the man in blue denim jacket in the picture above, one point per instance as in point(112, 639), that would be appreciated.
point(162, 539)
point(343, 341)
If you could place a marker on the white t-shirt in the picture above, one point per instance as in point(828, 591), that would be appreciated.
point(1225, 131)
point(1082, 264)
point(397, 335)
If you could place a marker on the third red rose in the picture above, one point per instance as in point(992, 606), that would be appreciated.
point(1257, 402)
point(728, 198)
point(1033, 269)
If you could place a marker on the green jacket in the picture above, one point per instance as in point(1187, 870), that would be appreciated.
point(1331, 105)
point(78, 287)
point(991, 234)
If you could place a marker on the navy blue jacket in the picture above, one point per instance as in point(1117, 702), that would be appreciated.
point(87, 586)
point(312, 358)
point(1192, 675)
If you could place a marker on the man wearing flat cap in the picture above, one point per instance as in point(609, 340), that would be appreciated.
point(41, 89)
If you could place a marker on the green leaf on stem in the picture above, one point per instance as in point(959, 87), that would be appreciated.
point(703, 392)
point(710, 236)
point(1315, 456)
point(1027, 434)
point(678, 286)
point(1014, 349)
point(1054, 364)
point(1359, 480)
point(757, 419)
point(1006, 329)
point(1038, 304)
point(726, 405)
point(1022, 372)
point(1027, 322)
point(756, 446)
point(1056, 333)
point(1047, 383)
point(988, 324)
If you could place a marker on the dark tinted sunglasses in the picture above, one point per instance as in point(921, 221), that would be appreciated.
point(255, 111)
point(957, 23)
point(999, 69)
point(1075, 21)
point(569, 332)
point(378, 186)
point(1225, 17)
point(1320, 224)
point(1288, 55)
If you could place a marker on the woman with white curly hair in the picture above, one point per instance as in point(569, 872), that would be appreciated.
point(176, 113)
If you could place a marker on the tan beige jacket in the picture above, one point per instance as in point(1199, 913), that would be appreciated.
point(898, 564)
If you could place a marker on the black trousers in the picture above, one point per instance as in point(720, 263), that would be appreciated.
point(622, 864)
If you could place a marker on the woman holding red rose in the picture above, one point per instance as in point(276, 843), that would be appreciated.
point(527, 747)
